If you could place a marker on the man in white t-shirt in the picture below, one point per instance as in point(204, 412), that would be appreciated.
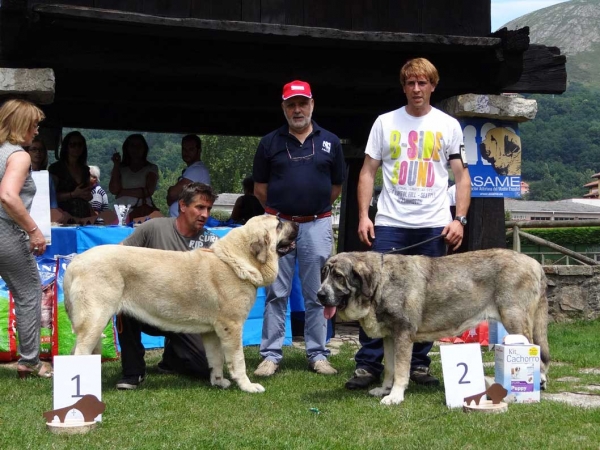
point(414, 146)
point(195, 172)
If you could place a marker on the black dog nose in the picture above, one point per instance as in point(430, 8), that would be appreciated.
point(321, 296)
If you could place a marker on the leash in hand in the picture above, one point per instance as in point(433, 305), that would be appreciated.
point(398, 250)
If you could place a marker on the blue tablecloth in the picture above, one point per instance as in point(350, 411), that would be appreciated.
point(67, 240)
point(77, 239)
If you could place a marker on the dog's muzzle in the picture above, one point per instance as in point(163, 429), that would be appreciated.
point(285, 246)
point(283, 250)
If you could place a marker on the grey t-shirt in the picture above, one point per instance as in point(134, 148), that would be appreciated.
point(28, 190)
point(161, 233)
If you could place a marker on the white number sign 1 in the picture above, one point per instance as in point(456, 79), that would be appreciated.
point(74, 377)
point(463, 372)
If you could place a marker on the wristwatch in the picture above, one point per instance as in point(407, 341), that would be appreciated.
point(461, 219)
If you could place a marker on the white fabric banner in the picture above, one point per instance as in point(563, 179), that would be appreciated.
point(40, 208)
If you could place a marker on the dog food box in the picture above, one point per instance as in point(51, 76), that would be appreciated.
point(518, 368)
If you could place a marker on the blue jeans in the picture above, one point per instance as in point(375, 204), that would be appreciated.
point(313, 247)
point(370, 355)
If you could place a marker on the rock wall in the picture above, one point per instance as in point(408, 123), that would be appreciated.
point(573, 292)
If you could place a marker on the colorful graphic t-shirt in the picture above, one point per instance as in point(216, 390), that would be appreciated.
point(414, 154)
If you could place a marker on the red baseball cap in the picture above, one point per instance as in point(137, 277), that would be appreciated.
point(296, 87)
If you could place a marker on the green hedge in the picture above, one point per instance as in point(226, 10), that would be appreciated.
point(586, 236)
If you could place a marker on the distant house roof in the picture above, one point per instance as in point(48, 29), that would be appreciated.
point(560, 206)
point(226, 199)
point(591, 184)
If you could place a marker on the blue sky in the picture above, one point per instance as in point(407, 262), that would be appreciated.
point(506, 10)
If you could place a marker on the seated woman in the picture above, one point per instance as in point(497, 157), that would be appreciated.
point(39, 161)
point(133, 180)
point(246, 206)
point(71, 176)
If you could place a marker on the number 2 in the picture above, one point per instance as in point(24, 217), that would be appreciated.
point(462, 379)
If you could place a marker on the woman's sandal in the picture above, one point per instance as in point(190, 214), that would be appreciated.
point(41, 370)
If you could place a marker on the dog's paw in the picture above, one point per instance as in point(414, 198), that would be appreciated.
point(543, 382)
point(223, 383)
point(380, 391)
point(253, 388)
point(392, 399)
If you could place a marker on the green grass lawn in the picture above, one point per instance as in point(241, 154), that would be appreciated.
point(302, 410)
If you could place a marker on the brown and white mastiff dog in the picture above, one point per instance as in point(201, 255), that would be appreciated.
point(406, 299)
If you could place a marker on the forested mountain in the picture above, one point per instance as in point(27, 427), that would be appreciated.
point(561, 146)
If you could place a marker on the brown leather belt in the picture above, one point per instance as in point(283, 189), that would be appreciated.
point(298, 219)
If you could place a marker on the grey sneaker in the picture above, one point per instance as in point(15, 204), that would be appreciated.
point(130, 383)
point(420, 375)
point(322, 367)
point(266, 368)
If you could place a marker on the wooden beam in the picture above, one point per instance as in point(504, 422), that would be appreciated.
point(73, 16)
point(543, 72)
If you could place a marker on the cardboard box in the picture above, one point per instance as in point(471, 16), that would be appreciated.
point(518, 368)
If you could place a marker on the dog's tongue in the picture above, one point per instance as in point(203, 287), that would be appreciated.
point(329, 312)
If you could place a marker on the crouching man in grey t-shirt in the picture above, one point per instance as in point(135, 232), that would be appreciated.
point(184, 353)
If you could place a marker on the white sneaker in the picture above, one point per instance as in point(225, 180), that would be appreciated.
point(266, 368)
point(322, 367)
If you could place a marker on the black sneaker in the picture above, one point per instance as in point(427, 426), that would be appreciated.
point(420, 375)
point(361, 379)
point(129, 383)
point(164, 369)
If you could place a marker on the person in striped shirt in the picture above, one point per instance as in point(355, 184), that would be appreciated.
point(99, 199)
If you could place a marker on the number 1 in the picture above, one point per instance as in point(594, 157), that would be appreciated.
point(76, 377)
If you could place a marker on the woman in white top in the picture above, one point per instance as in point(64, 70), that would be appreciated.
point(133, 180)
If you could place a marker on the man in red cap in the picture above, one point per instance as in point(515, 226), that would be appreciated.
point(298, 173)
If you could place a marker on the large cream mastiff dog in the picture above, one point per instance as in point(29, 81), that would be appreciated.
point(406, 299)
point(202, 291)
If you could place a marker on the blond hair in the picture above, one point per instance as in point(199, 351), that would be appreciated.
point(419, 67)
point(17, 117)
point(95, 172)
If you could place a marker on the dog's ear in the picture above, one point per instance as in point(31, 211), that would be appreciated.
point(260, 246)
point(364, 274)
point(324, 272)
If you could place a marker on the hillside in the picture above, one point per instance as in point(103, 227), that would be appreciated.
point(574, 27)
point(561, 146)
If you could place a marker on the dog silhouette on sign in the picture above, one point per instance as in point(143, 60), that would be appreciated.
point(496, 392)
point(88, 405)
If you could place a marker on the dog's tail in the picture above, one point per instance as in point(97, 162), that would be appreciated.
point(67, 280)
point(540, 325)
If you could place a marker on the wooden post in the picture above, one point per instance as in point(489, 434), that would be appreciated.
point(348, 231)
point(566, 251)
point(516, 240)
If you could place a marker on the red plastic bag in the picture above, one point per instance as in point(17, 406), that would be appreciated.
point(478, 334)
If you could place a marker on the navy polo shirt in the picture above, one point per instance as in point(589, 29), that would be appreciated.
point(299, 176)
